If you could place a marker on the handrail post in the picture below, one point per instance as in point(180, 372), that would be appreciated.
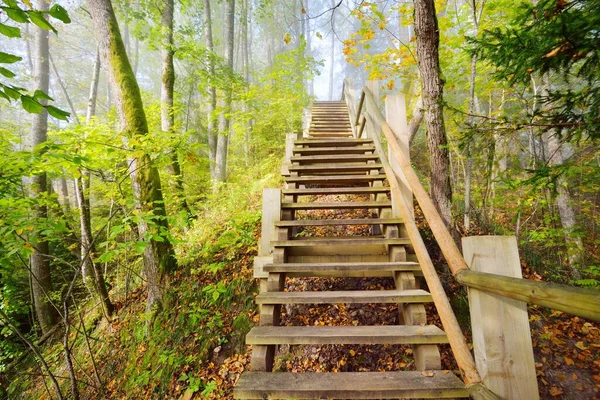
point(395, 116)
point(501, 333)
point(289, 149)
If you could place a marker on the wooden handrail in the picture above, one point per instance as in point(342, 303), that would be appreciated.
point(456, 338)
point(570, 299)
point(348, 97)
point(360, 106)
point(589, 309)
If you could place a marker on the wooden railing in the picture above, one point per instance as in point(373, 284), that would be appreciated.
point(573, 300)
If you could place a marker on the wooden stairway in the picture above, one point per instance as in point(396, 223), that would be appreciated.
point(331, 162)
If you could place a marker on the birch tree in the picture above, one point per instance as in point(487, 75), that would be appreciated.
point(41, 281)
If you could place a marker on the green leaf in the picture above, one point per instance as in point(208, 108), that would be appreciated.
point(16, 14)
point(10, 31)
point(6, 58)
point(39, 95)
point(11, 3)
point(7, 73)
point(60, 13)
point(31, 105)
point(12, 93)
point(58, 113)
point(4, 96)
point(38, 19)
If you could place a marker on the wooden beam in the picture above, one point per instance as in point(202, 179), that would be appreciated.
point(570, 299)
point(501, 334)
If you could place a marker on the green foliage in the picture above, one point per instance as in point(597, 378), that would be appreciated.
point(559, 38)
point(21, 15)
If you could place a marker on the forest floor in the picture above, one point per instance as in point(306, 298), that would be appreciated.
point(197, 351)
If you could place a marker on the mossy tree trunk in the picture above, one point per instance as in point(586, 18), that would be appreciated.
point(159, 258)
point(46, 313)
point(167, 88)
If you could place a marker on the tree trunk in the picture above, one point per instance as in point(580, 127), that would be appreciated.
point(566, 212)
point(212, 92)
point(159, 258)
point(91, 106)
point(427, 33)
point(246, 74)
point(415, 121)
point(332, 54)
point(167, 115)
point(224, 118)
point(308, 53)
point(46, 313)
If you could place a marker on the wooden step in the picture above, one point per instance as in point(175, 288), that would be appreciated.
point(328, 129)
point(334, 167)
point(334, 158)
point(333, 150)
point(324, 268)
point(340, 241)
point(345, 296)
point(383, 334)
point(336, 190)
point(337, 205)
point(335, 180)
point(327, 135)
point(332, 142)
point(349, 385)
point(339, 222)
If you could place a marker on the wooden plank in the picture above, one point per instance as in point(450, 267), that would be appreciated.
point(340, 222)
point(271, 212)
point(336, 205)
point(336, 179)
point(349, 385)
point(395, 116)
point(339, 242)
point(259, 263)
point(334, 167)
point(343, 266)
point(336, 190)
point(335, 158)
point(345, 296)
point(501, 333)
point(334, 150)
point(384, 334)
point(313, 142)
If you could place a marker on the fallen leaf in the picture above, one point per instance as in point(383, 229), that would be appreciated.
point(556, 391)
point(569, 361)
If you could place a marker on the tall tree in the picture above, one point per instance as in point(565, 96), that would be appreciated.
point(167, 88)
point(212, 92)
point(428, 40)
point(47, 314)
point(224, 118)
point(159, 258)
point(332, 54)
point(91, 272)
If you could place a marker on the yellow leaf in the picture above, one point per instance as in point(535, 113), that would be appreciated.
point(287, 38)
point(352, 353)
point(19, 231)
point(581, 346)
